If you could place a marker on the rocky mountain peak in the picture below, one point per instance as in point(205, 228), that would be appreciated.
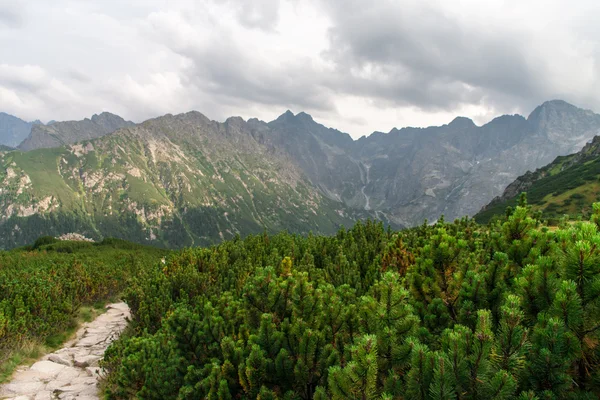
point(235, 121)
point(561, 121)
point(286, 116)
point(552, 109)
point(305, 117)
point(462, 123)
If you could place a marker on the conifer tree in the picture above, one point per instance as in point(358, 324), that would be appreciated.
point(358, 379)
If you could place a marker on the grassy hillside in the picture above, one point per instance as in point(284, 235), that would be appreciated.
point(569, 185)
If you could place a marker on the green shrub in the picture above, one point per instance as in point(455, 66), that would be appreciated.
point(452, 310)
point(43, 241)
point(41, 290)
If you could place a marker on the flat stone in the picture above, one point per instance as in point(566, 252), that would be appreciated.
point(22, 388)
point(89, 341)
point(56, 384)
point(45, 395)
point(48, 367)
point(96, 331)
point(85, 380)
point(79, 387)
point(30, 376)
point(68, 374)
point(59, 360)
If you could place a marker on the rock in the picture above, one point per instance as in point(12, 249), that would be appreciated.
point(87, 361)
point(75, 237)
point(68, 374)
point(89, 341)
point(19, 388)
point(57, 384)
point(30, 376)
point(59, 360)
point(48, 367)
point(71, 388)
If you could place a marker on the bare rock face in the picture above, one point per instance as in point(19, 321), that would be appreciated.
point(76, 237)
point(413, 174)
point(57, 134)
point(71, 372)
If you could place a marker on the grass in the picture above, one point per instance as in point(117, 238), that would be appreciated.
point(566, 192)
point(32, 351)
point(42, 167)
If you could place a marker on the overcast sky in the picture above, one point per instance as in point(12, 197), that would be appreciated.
point(355, 65)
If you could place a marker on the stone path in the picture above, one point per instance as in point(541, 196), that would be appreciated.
point(71, 372)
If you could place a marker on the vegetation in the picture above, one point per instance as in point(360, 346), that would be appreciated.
point(567, 186)
point(449, 311)
point(164, 191)
point(45, 289)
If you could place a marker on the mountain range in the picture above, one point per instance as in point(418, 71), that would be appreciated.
point(16, 133)
point(184, 179)
point(13, 130)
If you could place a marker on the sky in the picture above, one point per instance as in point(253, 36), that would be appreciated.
point(356, 65)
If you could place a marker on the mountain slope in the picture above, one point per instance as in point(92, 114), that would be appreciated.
point(567, 185)
point(174, 181)
point(413, 174)
point(13, 130)
point(291, 173)
point(56, 134)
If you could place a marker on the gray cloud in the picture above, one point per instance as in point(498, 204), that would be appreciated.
point(223, 68)
point(357, 65)
point(415, 54)
point(11, 14)
point(78, 76)
point(261, 14)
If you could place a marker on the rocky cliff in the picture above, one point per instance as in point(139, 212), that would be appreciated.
point(56, 134)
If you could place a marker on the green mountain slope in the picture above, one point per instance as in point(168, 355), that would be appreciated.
point(173, 181)
point(568, 185)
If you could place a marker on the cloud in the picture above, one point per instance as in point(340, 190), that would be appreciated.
point(11, 15)
point(432, 55)
point(24, 90)
point(260, 14)
point(356, 65)
point(414, 53)
point(225, 64)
